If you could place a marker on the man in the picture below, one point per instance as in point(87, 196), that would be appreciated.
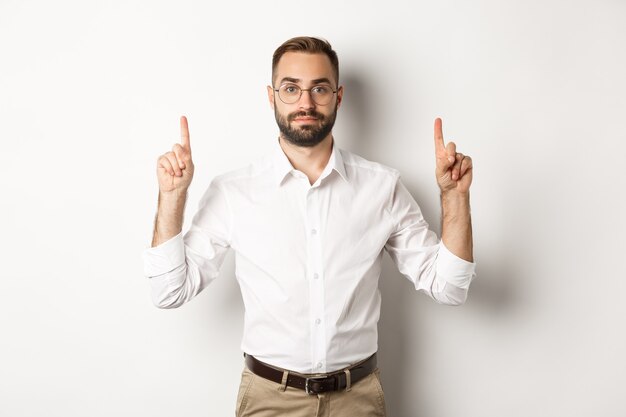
point(308, 225)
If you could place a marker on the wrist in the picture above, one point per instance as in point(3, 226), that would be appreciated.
point(173, 196)
point(172, 203)
point(454, 204)
point(454, 195)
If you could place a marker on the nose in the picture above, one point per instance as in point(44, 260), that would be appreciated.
point(306, 101)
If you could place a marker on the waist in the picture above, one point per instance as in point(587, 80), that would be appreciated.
point(314, 383)
point(298, 359)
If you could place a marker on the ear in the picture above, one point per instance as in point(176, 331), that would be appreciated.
point(339, 95)
point(270, 96)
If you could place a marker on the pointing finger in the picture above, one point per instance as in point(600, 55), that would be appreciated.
point(184, 133)
point(439, 145)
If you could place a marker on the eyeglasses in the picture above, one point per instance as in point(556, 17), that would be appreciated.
point(291, 93)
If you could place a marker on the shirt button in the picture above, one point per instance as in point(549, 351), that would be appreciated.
point(319, 364)
point(316, 276)
point(313, 231)
point(318, 321)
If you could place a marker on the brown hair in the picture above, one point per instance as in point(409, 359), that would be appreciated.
point(308, 45)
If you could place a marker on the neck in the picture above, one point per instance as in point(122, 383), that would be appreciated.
point(309, 160)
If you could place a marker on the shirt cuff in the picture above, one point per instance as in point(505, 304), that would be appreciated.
point(165, 257)
point(454, 270)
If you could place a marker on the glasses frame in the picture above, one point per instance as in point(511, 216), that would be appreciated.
point(277, 90)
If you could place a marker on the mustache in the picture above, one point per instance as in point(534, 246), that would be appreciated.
point(311, 113)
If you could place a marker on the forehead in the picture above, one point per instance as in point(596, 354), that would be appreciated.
point(304, 66)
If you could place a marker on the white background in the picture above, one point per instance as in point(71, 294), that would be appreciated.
point(535, 92)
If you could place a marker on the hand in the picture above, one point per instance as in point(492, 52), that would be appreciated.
point(453, 170)
point(175, 168)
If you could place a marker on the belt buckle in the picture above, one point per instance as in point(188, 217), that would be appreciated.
point(314, 379)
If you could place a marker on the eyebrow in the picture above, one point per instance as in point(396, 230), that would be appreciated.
point(297, 80)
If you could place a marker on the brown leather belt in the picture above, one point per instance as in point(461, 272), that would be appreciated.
point(315, 383)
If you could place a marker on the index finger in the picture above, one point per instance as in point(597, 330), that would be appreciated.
point(184, 133)
point(439, 145)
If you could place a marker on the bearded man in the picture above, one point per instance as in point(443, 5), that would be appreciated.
point(308, 224)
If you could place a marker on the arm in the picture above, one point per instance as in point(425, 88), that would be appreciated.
point(169, 218)
point(456, 224)
point(443, 270)
point(174, 172)
point(421, 257)
point(454, 177)
point(180, 267)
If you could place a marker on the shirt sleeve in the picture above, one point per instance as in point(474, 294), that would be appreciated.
point(180, 268)
point(421, 257)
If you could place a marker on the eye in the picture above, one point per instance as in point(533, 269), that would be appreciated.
point(321, 90)
point(290, 89)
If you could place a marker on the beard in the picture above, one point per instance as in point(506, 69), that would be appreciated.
point(306, 135)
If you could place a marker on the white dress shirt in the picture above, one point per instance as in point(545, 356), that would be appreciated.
point(307, 257)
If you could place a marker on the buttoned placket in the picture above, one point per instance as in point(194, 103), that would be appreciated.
point(315, 276)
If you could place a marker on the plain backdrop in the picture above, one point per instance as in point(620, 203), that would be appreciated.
point(91, 94)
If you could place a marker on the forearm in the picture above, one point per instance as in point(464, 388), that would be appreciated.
point(180, 267)
point(456, 228)
point(169, 219)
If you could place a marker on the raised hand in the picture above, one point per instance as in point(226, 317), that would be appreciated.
point(175, 168)
point(453, 170)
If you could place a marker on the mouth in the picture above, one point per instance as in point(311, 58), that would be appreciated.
point(305, 119)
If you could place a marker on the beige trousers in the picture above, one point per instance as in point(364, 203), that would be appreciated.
point(260, 397)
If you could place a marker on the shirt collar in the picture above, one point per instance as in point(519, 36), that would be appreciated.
point(282, 166)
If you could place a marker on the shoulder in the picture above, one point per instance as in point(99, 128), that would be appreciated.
point(256, 170)
point(361, 167)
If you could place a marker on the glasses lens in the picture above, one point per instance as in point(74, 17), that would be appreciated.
point(321, 94)
point(289, 93)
